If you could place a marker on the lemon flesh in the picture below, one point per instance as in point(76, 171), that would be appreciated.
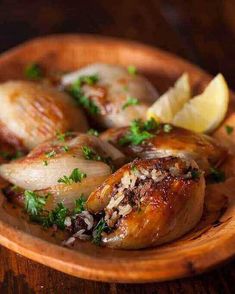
point(165, 108)
point(205, 112)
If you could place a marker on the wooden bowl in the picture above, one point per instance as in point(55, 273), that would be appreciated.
point(210, 243)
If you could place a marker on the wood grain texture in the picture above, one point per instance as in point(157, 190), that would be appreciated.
point(189, 31)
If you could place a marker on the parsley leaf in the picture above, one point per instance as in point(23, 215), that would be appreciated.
point(75, 90)
point(33, 71)
point(229, 129)
point(151, 125)
point(90, 154)
point(75, 177)
point(216, 175)
point(50, 154)
point(195, 173)
point(45, 162)
point(167, 128)
point(80, 204)
point(57, 216)
point(34, 203)
point(62, 136)
point(65, 148)
point(138, 132)
point(130, 101)
point(134, 168)
point(93, 132)
point(132, 70)
point(99, 228)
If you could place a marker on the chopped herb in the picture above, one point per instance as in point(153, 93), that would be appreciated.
point(80, 204)
point(132, 70)
point(229, 129)
point(65, 148)
point(138, 132)
point(33, 71)
point(15, 188)
point(62, 136)
point(50, 154)
point(45, 163)
point(134, 168)
point(75, 177)
point(151, 125)
point(130, 101)
point(216, 175)
point(89, 80)
point(89, 105)
point(34, 203)
point(17, 155)
point(125, 88)
point(195, 174)
point(75, 90)
point(57, 216)
point(99, 228)
point(90, 154)
point(9, 156)
point(5, 154)
point(167, 128)
point(93, 132)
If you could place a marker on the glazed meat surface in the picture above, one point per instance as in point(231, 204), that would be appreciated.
point(149, 202)
point(174, 142)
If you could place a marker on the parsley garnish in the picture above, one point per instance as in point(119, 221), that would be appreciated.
point(62, 136)
point(216, 175)
point(65, 148)
point(125, 88)
point(34, 203)
point(138, 132)
point(195, 174)
point(99, 228)
point(75, 177)
point(57, 216)
point(33, 71)
point(80, 204)
point(45, 163)
point(134, 168)
point(75, 90)
point(90, 154)
point(5, 155)
point(93, 132)
point(50, 154)
point(132, 70)
point(130, 101)
point(167, 128)
point(229, 129)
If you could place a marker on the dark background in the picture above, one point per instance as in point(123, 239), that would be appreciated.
point(202, 31)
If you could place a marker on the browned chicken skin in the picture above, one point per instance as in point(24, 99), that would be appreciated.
point(149, 202)
point(177, 142)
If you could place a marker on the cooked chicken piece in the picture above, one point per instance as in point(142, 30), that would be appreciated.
point(66, 167)
point(167, 140)
point(149, 202)
point(32, 113)
point(119, 95)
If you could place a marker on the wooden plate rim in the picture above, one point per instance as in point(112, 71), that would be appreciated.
point(79, 264)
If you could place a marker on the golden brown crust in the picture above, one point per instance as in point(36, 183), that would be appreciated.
point(156, 209)
point(178, 142)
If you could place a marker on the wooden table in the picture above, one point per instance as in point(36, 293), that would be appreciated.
point(200, 31)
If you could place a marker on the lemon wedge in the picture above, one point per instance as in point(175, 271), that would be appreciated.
point(165, 108)
point(205, 112)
